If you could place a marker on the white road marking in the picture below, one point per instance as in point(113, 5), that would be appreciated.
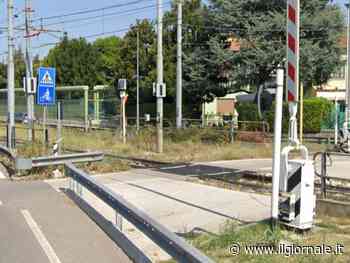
point(173, 167)
point(44, 243)
point(220, 173)
point(0, 203)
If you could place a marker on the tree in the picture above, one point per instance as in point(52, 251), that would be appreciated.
point(148, 59)
point(20, 67)
point(20, 70)
point(3, 76)
point(109, 60)
point(260, 26)
point(75, 61)
point(199, 76)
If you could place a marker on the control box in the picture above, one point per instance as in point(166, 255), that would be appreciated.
point(297, 201)
point(159, 90)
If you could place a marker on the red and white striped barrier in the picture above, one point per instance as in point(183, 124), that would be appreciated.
point(293, 26)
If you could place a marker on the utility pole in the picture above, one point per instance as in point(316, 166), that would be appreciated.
point(159, 76)
point(347, 99)
point(179, 67)
point(10, 80)
point(29, 71)
point(138, 81)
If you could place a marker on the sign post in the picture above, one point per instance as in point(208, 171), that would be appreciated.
point(46, 93)
point(47, 87)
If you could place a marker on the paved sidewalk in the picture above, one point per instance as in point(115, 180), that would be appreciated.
point(41, 225)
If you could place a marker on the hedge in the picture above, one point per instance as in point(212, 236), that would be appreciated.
point(316, 112)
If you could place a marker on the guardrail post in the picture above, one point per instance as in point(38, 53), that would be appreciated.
point(70, 181)
point(118, 221)
point(323, 174)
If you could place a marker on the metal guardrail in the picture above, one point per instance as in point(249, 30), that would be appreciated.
point(175, 246)
point(4, 150)
point(27, 164)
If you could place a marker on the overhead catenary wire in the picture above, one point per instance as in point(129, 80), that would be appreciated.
point(221, 29)
point(100, 17)
point(81, 12)
point(124, 12)
point(86, 36)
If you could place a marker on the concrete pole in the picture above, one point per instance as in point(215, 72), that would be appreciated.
point(138, 82)
point(86, 109)
point(159, 75)
point(336, 122)
point(10, 80)
point(347, 99)
point(95, 105)
point(277, 146)
point(179, 67)
point(29, 71)
point(124, 120)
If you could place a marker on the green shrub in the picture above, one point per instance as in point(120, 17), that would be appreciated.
point(215, 136)
point(316, 112)
point(182, 135)
point(207, 135)
point(247, 111)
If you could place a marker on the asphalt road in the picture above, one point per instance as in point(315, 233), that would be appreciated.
point(41, 225)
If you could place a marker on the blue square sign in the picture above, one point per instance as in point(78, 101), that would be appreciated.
point(46, 94)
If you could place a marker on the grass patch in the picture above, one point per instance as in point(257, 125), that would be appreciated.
point(217, 247)
point(187, 145)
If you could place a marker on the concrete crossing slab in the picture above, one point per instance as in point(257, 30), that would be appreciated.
point(179, 205)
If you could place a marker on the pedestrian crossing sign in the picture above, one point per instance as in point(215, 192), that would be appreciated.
point(46, 94)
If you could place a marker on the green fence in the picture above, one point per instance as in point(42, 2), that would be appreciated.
point(329, 123)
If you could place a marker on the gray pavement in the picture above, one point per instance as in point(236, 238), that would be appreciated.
point(56, 230)
point(179, 205)
point(165, 194)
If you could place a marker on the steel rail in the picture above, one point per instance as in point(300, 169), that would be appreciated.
point(62, 159)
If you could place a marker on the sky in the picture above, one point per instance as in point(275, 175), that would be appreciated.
point(117, 18)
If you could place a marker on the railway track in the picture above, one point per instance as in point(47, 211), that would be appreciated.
point(136, 162)
point(337, 188)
